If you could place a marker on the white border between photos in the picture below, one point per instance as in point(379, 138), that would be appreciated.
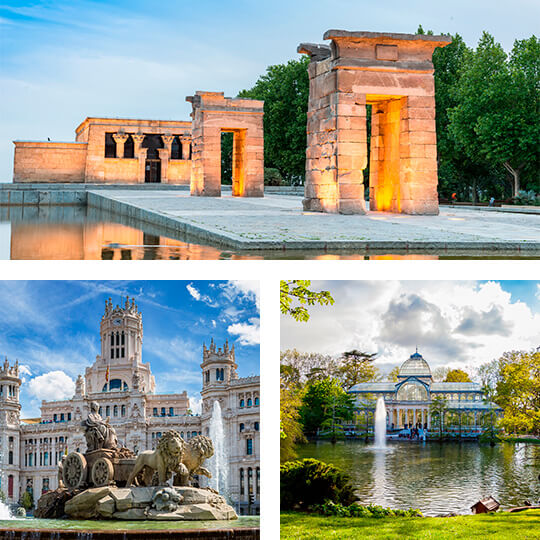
point(269, 273)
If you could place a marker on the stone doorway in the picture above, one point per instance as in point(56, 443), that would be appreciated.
point(214, 114)
point(394, 74)
point(152, 171)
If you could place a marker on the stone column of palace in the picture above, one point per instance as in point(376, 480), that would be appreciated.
point(185, 140)
point(120, 140)
point(140, 153)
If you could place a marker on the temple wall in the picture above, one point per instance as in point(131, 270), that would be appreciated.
point(49, 162)
point(179, 171)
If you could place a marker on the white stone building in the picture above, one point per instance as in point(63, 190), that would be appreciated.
point(124, 388)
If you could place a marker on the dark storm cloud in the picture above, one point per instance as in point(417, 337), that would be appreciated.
point(411, 320)
point(490, 322)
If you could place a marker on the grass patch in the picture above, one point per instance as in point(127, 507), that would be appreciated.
point(501, 525)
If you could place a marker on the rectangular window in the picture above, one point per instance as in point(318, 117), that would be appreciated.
point(249, 447)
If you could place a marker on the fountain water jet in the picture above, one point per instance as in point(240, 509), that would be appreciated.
point(218, 465)
point(5, 512)
point(380, 424)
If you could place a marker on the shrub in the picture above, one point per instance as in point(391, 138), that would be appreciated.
point(2, 496)
point(329, 508)
point(309, 482)
point(272, 177)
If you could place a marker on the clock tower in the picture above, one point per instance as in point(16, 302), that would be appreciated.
point(120, 361)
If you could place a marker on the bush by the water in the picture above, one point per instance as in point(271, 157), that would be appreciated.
point(330, 508)
point(308, 482)
point(272, 177)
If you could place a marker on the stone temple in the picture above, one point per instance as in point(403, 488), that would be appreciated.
point(135, 151)
point(394, 74)
point(124, 387)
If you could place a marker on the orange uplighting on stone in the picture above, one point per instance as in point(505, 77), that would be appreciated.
point(394, 74)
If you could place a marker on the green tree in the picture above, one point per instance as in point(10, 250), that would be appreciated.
point(437, 410)
point(518, 391)
point(393, 375)
point(457, 375)
point(291, 429)
point(367, 407)
point(297, 291)
point(325, 399)
point(285, 92)
point(496, 117)
point(26, 501)
point(356, 367)
point(2, 496)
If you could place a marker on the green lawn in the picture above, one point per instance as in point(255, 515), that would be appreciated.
point(499, 526)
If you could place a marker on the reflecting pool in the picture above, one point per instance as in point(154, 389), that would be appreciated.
point(81, 232)
point(435, 478)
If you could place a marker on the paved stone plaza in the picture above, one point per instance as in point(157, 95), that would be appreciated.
point(277, 222)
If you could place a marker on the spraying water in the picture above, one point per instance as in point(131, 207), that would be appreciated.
point(218, 463)
point(4, 512)
point(380, 424)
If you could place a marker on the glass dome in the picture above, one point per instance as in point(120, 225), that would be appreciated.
point(415, 366)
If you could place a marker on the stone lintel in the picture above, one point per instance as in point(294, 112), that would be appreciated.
point(438, 41)
point(216, 101)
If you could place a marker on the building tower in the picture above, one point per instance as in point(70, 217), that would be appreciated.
point(218, 370)
point(121, 333)
point(10, 430)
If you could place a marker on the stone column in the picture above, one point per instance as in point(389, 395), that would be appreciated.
point(185, 140)
point(418, 155)
point(140, 153)
point(164, 156)
point(120, 139)
point(475, 419)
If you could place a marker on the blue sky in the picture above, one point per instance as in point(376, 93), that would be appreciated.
point(458, 324)
point(52, 328)
point(61, 61)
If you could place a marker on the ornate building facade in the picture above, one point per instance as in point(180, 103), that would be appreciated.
point(408, 400)
point(124, 387)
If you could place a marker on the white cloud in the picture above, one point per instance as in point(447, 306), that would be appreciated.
point(193, 291)
point(52, 386)
point(456, 324)
point(242, 290)
point(213, 323)
point(248, 333)
point(195, 403)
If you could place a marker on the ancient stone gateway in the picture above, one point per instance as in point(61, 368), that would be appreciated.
point(212, 115)
point(394, 74)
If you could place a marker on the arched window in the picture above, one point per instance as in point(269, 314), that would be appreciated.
point(46, 459)
point(129, 148)
point(241, 481)
point(176, 148)
point(115, 410)
point(110, 146)
point(241, 403)
point(412, 391)
point(100, 411)
point(256, 402)
point(162, 411)
point(249, 447)
point(107, 411)
point(241, 428)
point(10, 457)
point(250, 403)
point(171, 411)
point(123, 410)
point(154, 411)
point(182, 434)
point(256, 426)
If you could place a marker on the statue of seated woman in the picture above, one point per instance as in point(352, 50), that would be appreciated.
point(98, 432)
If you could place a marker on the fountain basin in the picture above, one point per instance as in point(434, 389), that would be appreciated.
point(244, 528)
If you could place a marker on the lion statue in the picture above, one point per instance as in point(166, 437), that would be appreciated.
point(166, 459)
point(196, 451)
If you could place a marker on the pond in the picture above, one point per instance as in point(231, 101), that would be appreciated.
point(435, 478)
point(85, 233)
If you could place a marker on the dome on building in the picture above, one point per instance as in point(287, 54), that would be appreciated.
point(415, 366)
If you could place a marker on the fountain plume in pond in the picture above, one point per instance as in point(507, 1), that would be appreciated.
point(4, 512)
point(380, 424)
point(218, 464)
